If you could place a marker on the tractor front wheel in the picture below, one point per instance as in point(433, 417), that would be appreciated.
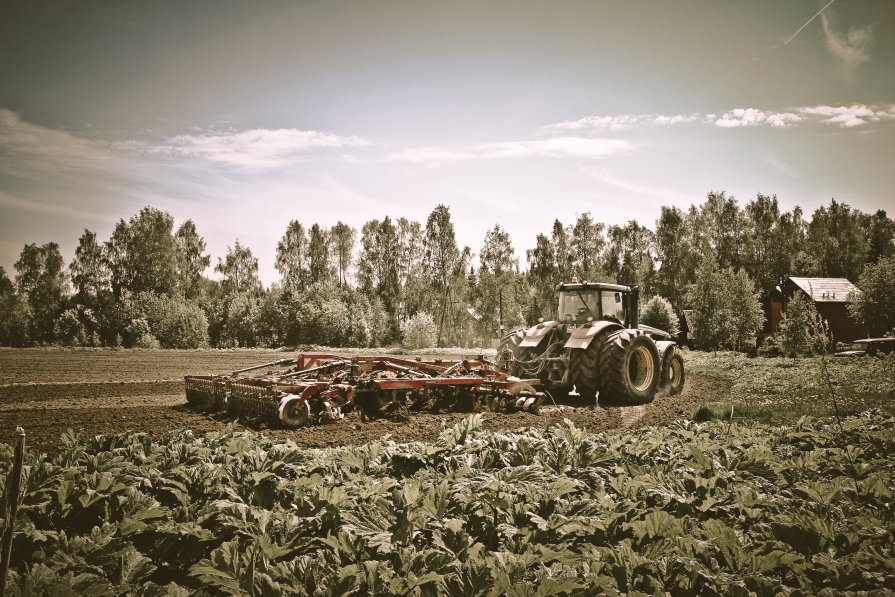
point(673, 373)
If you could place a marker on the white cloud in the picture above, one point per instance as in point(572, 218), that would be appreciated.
point(554, 147)
point(754, 117)
point(621, 121)
point(845, 116)
point(852, 48)
point(850, 116)
point(663, 120)
point(255, 149)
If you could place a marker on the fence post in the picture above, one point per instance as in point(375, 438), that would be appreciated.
point(13, 489)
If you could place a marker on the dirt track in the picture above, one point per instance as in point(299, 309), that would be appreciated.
point(101, 392)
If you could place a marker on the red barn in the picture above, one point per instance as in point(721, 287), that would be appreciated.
point(830, 298)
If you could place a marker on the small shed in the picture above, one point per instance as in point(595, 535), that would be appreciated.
point(830, 298)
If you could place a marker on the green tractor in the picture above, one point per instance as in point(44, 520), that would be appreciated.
point(596, 346)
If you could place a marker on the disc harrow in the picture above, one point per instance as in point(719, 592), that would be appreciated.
point(315, 388)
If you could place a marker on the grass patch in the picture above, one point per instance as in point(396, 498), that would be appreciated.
point(781, 389)
point(713, 411)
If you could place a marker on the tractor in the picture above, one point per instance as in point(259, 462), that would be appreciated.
point(597, 347)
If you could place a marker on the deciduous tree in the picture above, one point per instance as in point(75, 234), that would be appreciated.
point(190, 258)
point(142, 254)
point(874, 306)
point(319, 264)
point(40, 281)
point(586, 248)
point(377, 267)
point(239, 269)
point(292, 257)
point(342, 236)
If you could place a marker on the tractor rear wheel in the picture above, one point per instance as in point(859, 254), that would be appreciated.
point(584, 365)
point(629, 368)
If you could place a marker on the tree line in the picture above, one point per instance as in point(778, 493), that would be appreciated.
point(146, 285)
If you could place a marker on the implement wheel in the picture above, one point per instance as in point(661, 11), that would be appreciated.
point(629, 366)
point(292, 413)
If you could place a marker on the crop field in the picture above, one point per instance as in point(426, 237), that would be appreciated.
point(103, 392)
point(681, 509)
point(145, 497)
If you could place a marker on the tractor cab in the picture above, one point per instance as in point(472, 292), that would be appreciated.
point(582, 302)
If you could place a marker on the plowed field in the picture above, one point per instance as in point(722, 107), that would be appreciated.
point(101, 392)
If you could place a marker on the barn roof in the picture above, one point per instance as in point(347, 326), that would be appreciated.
point(826, 290)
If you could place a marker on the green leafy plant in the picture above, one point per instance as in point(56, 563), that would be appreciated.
point(690, 508)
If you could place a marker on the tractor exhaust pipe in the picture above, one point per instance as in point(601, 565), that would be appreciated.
point(634, 308)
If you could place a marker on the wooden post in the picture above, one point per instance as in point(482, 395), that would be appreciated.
point(13, 489)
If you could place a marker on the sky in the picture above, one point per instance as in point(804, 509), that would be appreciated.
point(245, 115)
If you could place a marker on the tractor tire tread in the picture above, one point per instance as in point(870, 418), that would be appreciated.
point(614, 359)
point(584, 365)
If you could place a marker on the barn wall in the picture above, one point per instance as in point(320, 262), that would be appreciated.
point(842, 326)
point(776, 313)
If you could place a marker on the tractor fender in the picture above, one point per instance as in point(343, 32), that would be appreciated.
point(656, 332)
point(583, 335)
point(665, 346)
point(536, 333)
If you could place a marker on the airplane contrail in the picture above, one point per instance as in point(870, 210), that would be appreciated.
point(809, 20)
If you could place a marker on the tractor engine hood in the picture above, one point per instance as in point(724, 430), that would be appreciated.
point(536, 333)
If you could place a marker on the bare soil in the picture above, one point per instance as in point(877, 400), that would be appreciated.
point(104, 392)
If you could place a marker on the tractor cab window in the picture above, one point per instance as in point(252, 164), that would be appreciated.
point(578, 306)
point(613, 304)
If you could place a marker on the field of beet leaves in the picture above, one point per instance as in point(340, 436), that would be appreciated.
point(688, 508)
point(769, 502)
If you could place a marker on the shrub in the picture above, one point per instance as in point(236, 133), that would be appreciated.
point(793, 335)
point(15, 315)
point(727, 311)
point(332, 316)
point(175, 322)
point(419, 331)
point(770, 347)
point(659, 313)
point(319, 316)
point(240, 321)
point(802, 330)
point(368, 325)
point(69, 330)
point(138, 334)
